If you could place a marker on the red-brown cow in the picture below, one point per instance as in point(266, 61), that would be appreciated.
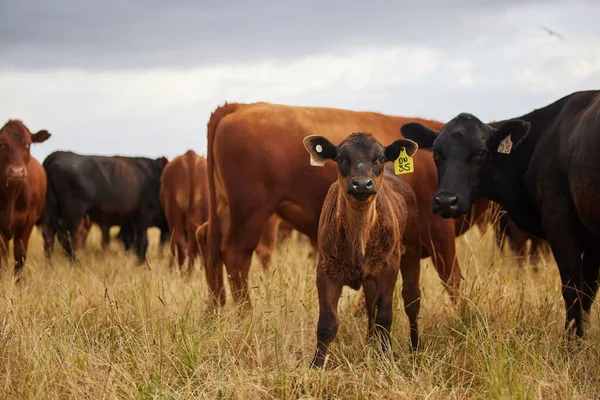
point(257, 166)
point(184, 198)
point(368, 221)
point(23, 189)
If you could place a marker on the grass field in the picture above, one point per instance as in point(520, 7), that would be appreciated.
point(112, 329)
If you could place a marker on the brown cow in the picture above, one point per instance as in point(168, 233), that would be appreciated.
point(257, 166)
point(184, 198)
point(369, 219)
point(22, 192)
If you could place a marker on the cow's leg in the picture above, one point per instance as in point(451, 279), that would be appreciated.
point(369, 301)
point(560, 225)
point(245, 230)
point(178, 245)
point(105, 228)
point(214, 276)
point(535, 252)
point(410, 268)
point(20, 243)
point(385, 311)
point(3, 251)
point(66, 237)
point(329, 292)
point(141, 231)
point(193, 248)
point(268, 240)
point(181, 248)
point(165, 236)
point(440, 243)
point(591, 268)
point(48, 233)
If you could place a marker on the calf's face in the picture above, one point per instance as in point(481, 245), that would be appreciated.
point(360, 159)
point(15, 141)
point(462, 151)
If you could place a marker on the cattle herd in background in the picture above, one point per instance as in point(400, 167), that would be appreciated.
point(360, 217)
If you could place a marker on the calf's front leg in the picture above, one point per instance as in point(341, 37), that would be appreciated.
point(329, 292)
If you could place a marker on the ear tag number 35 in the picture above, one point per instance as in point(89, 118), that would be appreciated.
point(404, 163)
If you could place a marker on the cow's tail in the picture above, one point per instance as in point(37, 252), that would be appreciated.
point(214, 261)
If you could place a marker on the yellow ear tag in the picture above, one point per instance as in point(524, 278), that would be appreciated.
point(404, 163)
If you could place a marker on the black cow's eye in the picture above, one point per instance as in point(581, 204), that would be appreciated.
point(382, 159)
point(481, 155)
point(342, 160)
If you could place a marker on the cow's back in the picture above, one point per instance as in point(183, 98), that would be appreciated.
point(105, 185)
point(184, 186)
point(268, 138)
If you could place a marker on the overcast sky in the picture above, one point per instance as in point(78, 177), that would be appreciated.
point(141, 77)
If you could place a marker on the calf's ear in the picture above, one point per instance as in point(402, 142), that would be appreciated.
point(319, 148)
point(40, 136)
point(422, 135)
point(516, 128)
point(393, 150)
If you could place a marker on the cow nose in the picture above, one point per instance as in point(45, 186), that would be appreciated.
point(15, 172)
point(363, 185)
point(446, 204)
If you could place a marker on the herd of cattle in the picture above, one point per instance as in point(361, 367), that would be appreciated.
point(266, 170)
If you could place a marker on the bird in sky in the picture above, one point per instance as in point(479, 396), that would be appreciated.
point(552, 33)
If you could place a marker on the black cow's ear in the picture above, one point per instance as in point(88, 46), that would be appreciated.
point(422, 135)
point(320, 148)
point(40, 136)
point(516, 128)
point(393, 150)
point(163, 161)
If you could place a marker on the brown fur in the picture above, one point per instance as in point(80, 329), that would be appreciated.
point(184, 198)
point(257, 167)
point(361, 243)
point(22, 190)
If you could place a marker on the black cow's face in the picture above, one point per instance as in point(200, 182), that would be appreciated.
point(462, 152)
point(360, 158)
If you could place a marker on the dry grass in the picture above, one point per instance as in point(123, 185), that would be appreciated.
point(112, 329)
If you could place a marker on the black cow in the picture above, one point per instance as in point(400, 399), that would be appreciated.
point(543, 168)
point(115, 190)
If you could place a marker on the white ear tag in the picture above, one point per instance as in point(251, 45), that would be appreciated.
point(313, 162)
point(505, 145)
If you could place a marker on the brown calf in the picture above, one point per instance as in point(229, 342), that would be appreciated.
point(366, 225)
point(22, 189)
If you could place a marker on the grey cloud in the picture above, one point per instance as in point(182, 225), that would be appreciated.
point(112, 34)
